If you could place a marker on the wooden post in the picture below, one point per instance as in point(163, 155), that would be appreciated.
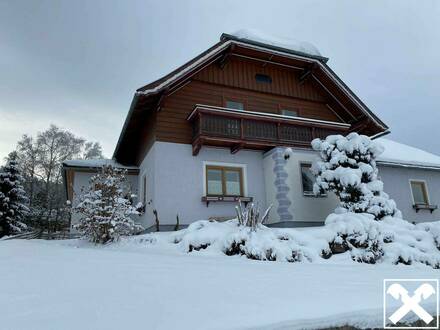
point(176, 228)
point(156, 219)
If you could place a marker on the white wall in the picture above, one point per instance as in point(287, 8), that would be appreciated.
point(179, 181)
point(396, 184)
point(147, 168)
point(284, 188)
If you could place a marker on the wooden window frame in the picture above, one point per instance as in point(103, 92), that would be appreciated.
point(223, 169)
point(424, 190)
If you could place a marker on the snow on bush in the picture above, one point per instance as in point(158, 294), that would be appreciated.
point(359, 236)
point(250, 215)
point(13, 198)
point(231, 238)
point(105, 207)
point(347, 167)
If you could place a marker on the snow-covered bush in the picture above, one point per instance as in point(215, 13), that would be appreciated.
point(357, 235)
point(105, 207)
point(13, 199)
point(347, 166)
point(250, 215)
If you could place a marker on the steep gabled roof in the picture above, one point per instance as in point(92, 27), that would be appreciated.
point(150, 95)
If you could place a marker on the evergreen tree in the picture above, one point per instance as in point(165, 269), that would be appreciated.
point(13, 198)
point(105, 207)
point(348, 168)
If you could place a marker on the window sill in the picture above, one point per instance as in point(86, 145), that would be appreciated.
point(431, 208)
point(312, 195)
point(235, 199)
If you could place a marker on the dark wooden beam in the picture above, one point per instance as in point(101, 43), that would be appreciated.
point(197, 145)
point(360, 126)
point(236, 148)
point(307, 73)
point(162, 97)
point(224, 60)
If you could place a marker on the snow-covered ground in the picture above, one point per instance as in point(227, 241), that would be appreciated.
point(134, 284)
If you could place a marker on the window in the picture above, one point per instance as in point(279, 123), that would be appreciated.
point(290, 113)
point(144, 190)
point(234, 105)
point(308, 179)
point(419, 192)
point(224, 181)
point(263, 78)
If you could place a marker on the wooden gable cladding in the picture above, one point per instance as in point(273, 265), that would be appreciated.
point(172, 125)
point(241, 73)
point(300, 82)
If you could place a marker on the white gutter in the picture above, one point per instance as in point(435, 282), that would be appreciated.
point(408, 165)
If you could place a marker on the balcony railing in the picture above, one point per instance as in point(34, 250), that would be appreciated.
point(239, 129)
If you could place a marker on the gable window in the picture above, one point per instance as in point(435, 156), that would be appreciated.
point(308, 179)
point(224, 181)
point(419, 192)
point(290, 113)
point(263, 78)
point(234, 105)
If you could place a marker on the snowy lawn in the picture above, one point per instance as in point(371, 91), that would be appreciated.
point(136, 285)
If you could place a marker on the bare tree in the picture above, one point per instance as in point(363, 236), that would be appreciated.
point(41, 159)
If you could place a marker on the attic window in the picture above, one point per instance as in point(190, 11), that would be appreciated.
point(263, 78)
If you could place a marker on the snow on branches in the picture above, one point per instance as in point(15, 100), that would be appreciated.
point(13, 198)
point(105, 207)
point(347, 166)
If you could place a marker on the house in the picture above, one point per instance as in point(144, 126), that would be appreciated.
point(216, 129)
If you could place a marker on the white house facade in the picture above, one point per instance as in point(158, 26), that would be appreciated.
point(216, 130)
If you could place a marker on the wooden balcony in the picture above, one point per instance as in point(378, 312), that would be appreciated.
point(238, 129)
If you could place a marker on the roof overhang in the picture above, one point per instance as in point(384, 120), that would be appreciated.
point(149, 97)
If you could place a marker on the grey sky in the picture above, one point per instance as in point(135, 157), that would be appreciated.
point(77, 63)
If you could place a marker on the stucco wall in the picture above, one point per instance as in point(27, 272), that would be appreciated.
point(147, 169)
point(284, 189)
point(179, 181)
point(396, 184)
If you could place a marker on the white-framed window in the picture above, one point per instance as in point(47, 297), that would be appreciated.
point(224, 179)
point(419, 192)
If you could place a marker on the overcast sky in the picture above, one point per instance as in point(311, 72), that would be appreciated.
point(77, 63)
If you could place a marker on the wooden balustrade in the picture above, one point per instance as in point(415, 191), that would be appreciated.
point(239, 129)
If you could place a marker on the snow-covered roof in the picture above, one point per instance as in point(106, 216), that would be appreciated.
point(94, 163)
point(287, 43)
point(404, 155)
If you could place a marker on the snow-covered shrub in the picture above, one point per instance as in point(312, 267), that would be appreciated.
point(391, 240)
point(13, 199)
point(347, 166)
point(365, 240)
point(250, 215)
point(105, 207)
point(357, 233)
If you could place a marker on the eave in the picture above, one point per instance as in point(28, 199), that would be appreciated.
point(148, 98)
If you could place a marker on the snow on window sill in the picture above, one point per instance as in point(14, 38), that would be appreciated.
point(310, 194)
